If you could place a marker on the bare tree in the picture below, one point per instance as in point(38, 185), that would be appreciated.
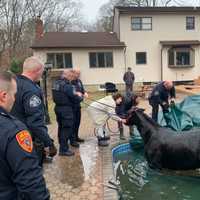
point(17, 21)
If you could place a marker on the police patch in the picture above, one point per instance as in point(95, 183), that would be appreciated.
point(34, 101)
point(25, 141)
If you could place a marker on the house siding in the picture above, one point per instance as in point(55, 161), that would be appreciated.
point(164, 27)
point(91, 76)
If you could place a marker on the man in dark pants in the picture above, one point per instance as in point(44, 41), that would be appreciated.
point(29, 107)
point(77, 106)
point(20, 175)
point(129, 79)
point(64, 96)
point(160, 95)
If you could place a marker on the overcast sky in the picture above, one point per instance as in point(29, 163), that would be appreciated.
point(91, 8)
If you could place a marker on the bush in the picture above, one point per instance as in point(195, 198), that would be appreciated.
point(16, 66)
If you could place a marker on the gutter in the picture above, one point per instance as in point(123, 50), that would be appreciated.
point(125, 59)
point(161, 70)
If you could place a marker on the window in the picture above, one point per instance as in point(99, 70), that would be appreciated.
point(101, 59)
point(60, 60)
point(190, 23)
point(141, 23)
point(141, 58)
point(180, 57)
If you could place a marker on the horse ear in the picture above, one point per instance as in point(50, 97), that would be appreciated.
point(133, 108)
point(141, 109)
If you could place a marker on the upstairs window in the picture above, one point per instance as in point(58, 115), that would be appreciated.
point(141, 23)
point(101, 59)
point(190, 23)
point(181, 57)
point(60, 60)
point(141, 58)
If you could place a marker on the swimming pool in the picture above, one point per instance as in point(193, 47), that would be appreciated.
point(137, 181)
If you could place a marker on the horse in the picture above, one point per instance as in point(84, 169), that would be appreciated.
point(163, 147)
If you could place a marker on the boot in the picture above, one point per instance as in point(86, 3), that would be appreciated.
point(102, 142)
point(121, 133)
point(131, 131)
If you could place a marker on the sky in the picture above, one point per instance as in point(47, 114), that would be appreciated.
point(91, 8)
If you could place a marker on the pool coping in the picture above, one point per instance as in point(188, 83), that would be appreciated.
point(108, 171)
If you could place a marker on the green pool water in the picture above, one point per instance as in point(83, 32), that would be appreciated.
point(137, 181)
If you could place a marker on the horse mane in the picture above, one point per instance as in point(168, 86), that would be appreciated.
point(149, 119)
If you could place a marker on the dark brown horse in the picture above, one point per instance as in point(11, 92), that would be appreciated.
point(164, 148)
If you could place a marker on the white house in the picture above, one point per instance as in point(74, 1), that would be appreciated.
point(158, 43)
point(99, 55)
point(161, 42)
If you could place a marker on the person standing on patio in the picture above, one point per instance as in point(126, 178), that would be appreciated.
point(77, 83)
point(129, 79)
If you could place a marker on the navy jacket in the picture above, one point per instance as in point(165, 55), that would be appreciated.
point(160, 94)
point(63, 93)
point(29, 108)
point(20, 175)
point(126, 104)
point(79, 86)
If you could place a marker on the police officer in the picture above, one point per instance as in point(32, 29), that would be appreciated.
point(64, 96)
point(29, 106)
point(160, 96)
point(76, 106)
point(20, 175)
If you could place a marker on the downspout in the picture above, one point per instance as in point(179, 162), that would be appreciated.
point(161, 70)
point(125, 59)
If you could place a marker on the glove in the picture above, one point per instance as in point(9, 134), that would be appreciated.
point(165, 106)
point(52, 150)
point(172, 102)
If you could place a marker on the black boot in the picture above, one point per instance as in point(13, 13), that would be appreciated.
point(131, 131)
point(102, 142)
point(121, 133)
point(75, 144)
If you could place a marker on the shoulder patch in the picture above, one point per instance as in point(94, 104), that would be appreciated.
point(34, 101)
point(25, 141)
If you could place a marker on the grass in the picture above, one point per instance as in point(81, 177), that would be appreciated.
point(92, 96)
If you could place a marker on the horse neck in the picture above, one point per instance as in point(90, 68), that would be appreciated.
point(146, 126)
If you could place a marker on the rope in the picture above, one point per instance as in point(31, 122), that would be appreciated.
point(109, 114)
point(100, 103)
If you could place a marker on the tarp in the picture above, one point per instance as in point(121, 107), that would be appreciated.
point(182, 117)
point(186, 115)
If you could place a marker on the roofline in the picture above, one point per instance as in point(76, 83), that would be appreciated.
point(75, 47)
point(159, 10)
point(179, 42)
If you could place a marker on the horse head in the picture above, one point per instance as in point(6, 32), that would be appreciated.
point(132, 118)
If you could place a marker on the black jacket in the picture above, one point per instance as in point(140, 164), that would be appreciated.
point(29, 108)
point(63, 93)
point(20, 175)
point(160, 94)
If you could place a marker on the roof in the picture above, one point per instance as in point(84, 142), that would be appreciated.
point(159, 10)
point(78, 40)
point(179, 42)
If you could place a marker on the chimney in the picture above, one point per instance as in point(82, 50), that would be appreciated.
point(38, 28)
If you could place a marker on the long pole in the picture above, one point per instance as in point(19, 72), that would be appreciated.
point(47, 118)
